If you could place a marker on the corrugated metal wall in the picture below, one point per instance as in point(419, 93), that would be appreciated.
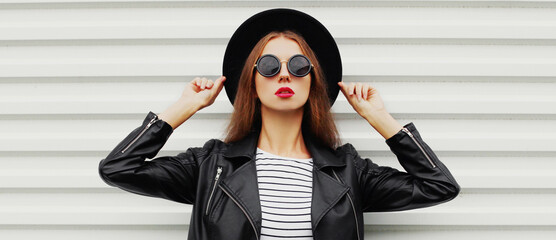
point(478, 79)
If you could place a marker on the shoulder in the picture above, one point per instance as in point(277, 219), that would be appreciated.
point(211, 146)
point(201, 153)
point(348, 154)
point(346, 149)
point(362, 164)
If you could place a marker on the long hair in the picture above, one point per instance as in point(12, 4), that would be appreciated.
point(317, 119)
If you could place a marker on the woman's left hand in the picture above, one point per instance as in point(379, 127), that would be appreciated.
point(363, 97)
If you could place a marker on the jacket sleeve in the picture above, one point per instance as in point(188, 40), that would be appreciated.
point(170, 177)
point(426, 181)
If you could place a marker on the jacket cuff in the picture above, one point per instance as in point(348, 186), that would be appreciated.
point(400, 134)
point(154, 135)
point(164, 127)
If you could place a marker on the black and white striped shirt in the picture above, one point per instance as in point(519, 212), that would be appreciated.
point(285, 188)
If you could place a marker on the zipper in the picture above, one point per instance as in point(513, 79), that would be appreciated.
point(218, 172)
point(419, 145)
point(243, 210)
point(141, 133)
point(352, 206)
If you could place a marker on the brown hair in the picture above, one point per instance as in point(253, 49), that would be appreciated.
point(317, 119)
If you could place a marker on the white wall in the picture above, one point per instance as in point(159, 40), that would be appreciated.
point(478, 79)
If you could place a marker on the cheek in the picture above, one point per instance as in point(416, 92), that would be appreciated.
point(258, 86)
point(307, 86)
point(262, 87)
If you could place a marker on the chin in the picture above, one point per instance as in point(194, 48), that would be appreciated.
point(284, 107)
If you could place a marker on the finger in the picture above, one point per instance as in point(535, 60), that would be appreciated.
point(219, 84)
point(365, 91)
point(358, 90)
point(373, 92)
point(195, 83)
point(342, 88)
point(209, 84)
point(351, 89)
point(203, 83)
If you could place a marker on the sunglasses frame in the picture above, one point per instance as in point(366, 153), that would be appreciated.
point(280, 65)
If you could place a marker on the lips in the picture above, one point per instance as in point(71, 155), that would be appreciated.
point(284, 92)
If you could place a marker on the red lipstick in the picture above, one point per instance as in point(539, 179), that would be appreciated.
point(284, 92)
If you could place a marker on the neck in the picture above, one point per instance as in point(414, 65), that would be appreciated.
point(281, 133)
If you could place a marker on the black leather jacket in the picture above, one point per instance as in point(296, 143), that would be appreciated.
point(220, 180)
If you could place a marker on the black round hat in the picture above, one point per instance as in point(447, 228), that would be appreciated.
point(257, 26)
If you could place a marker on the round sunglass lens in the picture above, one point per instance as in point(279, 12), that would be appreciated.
point(299, 66)
point(268, 66)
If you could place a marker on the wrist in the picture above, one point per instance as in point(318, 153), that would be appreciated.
point(187, 105)
point(375, 117)
point(178, 112)
point(384, 124)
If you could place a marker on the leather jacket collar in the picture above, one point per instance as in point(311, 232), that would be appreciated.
point(322, 156)
point(242, 184)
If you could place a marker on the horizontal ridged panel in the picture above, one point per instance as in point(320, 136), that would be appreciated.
point(148, 232)
point(380, 60)
point(400, 97)
point(479, 172)
point(453, 135)
point(120, 208)
point(476, 77)
point(168, 23)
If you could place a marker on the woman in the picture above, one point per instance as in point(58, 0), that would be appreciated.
point(281, 172)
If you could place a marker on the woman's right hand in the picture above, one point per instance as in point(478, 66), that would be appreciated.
point(198, 93)
point(203, 91)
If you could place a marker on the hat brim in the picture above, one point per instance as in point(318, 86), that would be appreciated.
point(253, 29)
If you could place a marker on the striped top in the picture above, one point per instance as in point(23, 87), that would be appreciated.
point(285, 188)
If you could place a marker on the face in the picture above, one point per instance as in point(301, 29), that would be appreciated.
point(267, 87)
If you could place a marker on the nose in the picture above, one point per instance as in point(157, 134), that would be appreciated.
point(284, 73)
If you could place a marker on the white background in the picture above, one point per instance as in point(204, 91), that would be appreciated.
point(477, 78)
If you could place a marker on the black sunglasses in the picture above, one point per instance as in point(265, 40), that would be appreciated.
point(269, 65)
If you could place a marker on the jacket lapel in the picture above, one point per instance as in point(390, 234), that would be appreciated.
point(327, 191)
point(243, 184)
point(243, 187)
